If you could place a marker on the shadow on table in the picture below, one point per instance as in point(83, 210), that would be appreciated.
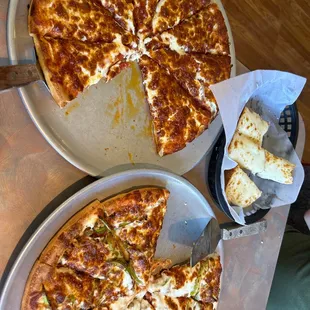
point(56, 202)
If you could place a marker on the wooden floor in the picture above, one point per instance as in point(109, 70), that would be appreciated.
point(275, 34)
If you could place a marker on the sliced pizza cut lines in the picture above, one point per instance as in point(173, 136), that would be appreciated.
point(75, 54)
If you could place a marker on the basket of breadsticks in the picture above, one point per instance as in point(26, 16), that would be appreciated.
point(256, 166)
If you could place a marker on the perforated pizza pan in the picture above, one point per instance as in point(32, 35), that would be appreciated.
point(187, 215)
point(106, 129)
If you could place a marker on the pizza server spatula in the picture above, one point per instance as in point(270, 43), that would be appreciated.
point(19, 75)
point(212, 234)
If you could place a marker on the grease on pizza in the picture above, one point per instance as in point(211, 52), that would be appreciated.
point(204, 32)
point(177, 117)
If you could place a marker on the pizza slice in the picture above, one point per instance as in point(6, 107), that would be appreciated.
point(122, 11)
point(136, 219)
point(195, 73)
point(177, 117)
point(71, 66)
point(204, 32)
point(169, 13)
point(85, 20)
point(200, 282)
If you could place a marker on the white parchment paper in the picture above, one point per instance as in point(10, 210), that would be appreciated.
point(267, 92)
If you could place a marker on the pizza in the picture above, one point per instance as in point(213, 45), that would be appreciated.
point(103, 258)
point(90, 263)
point(72, 66)
point(177, 117)
point(80, 42)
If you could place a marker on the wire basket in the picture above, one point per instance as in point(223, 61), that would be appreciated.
point(288, 121)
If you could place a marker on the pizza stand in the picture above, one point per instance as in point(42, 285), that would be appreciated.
point(247, 262)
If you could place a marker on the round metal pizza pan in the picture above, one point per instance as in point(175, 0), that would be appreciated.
point(187, 214)
point(107, 128)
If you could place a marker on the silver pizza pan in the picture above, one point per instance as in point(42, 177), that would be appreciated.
point(107, 129)
point(188, 212)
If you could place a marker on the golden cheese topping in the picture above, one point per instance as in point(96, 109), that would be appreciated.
point(85, 20)
point(136, 219)
point(102, 257)
point(66, 289)
point(209, 279)
point(169, 13)
point(201, 282)
point(122, 11)
point(195, 73)
point(204, 32)
point(72, 66)
point(177, 117)
point(94, 254)
point(143, 15)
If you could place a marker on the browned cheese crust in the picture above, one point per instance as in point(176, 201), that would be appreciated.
point(177, 117)
point(101, 256)
point(73, 228)
point(173, 12)
point(204, 32)
point(84, 20)
point(195, 72)
point(136, 218)
point(70, 66)
point(143, 15)
point(122, 11)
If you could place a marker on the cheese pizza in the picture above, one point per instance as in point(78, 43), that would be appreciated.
point(80, 42)
point(103, 258)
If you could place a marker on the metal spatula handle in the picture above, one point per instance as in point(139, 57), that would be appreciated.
point(18, 75)
point(235, 231)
